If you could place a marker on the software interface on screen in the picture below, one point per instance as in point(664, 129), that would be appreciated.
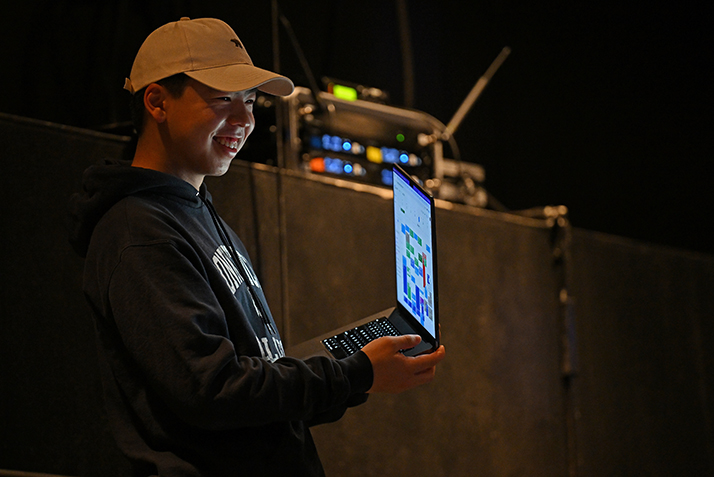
point(415, 271)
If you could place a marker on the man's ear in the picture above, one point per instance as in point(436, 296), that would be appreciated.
point(154, 102)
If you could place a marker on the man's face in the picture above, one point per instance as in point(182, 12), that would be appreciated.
point(204, 130)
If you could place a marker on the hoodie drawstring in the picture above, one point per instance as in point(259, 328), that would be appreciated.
point(225, 238)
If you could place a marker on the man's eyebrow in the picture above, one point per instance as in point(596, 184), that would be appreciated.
point(244, 92)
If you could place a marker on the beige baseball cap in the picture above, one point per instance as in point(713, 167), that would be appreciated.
point(207, 50)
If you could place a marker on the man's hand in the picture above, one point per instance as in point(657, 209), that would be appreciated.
point(394, 372)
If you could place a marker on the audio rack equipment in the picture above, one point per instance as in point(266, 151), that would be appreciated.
point(358, 140)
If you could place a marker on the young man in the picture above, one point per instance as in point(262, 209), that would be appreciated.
point(194, 373)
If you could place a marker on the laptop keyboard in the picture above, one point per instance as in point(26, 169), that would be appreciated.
point(351, 341)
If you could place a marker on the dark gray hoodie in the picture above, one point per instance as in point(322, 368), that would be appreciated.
point(193, 368)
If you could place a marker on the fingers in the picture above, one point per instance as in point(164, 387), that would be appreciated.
point(393, 371)
point(424, 362)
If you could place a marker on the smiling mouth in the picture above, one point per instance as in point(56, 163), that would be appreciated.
point(229, 142)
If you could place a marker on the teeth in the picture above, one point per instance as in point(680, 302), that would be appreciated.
point(227, 141)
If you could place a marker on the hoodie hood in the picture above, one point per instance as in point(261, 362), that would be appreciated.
point(105, 184)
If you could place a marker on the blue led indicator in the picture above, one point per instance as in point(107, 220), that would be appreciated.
point(315, 142)
point(404, 158)
point(333, 166)
point(390, 155)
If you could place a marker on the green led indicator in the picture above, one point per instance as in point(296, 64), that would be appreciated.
point(400, 137)
point(344, 92)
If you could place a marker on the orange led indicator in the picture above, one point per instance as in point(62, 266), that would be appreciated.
point(317, 164)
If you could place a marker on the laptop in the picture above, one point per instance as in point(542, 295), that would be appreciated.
point(417, 304)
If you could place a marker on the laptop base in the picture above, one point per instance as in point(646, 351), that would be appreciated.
point(315, 346)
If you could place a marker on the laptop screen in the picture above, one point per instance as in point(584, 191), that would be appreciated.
point(415, 248)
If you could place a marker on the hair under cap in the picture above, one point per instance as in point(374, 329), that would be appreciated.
point(207, 50)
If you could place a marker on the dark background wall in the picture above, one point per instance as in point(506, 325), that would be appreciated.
point(604, 107)
point(509, 400)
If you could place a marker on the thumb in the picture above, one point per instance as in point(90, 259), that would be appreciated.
point(406, 341)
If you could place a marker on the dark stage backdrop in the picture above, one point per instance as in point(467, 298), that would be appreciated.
point(50, 396)
point(604, 107)
point(570, 352)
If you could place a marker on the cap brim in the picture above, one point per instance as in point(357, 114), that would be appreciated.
point(243, 77)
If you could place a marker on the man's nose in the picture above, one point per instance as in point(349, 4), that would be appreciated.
point(240, 115)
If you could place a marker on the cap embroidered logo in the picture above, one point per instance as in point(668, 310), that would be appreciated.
point(238, 43)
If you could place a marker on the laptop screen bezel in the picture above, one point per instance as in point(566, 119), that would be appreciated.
point(403, 311)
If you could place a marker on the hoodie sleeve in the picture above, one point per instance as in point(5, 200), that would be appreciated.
point(171, 324)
